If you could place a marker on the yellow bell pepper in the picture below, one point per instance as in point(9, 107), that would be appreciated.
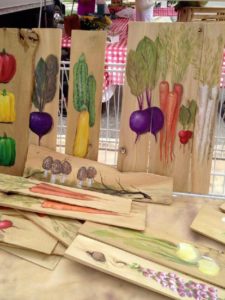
point(80, 147)
point(7, 107)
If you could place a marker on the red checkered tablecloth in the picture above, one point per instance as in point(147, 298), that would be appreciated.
point(116, 53)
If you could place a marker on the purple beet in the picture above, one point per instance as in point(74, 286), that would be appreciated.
point(40, 123)
point(148, 120)
point(140, 121)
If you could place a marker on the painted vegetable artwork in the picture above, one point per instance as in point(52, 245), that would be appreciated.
point(5, 224)
point(140, 72)
point(84, 103)
point(7, 107)
point(7, 66)
point(44, 92)
point(167, 280)
point(187, 119)
point(7, 151)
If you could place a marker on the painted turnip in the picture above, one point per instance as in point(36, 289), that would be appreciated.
point(44, 92)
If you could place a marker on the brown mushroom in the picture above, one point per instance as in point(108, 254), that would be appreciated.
point(91, 173)
point(66, 170)
point(56, 169)
point(47, 165)
point(81, 176)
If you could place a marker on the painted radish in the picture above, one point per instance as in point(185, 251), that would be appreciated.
point(5, 224)
point(40, 123)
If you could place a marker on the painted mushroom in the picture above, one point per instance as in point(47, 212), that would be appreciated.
point(81, 176)
point(56, 169)
point(47, 165)
point(91, 173)
point(66, 170)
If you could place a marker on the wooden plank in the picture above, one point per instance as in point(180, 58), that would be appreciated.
point(210, 222)
point(73, 196)
point(153, 188)
point(135, 220)
point(49, 47)
point(181, 255)
point(24, 233)
point(22, 45)
point(136, 270)
point(40, 259)
point(192, 81)
point(64, 230)
point(84, 42)
point(222, 207)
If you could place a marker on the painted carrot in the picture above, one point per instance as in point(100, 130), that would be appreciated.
point(62, 206)
point(178, 89)
point(47, 189)
point(163, 95)
point(171, 109)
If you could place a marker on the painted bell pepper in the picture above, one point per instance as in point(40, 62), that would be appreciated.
point(7, 66)
point(7, 151)
point(7, 107)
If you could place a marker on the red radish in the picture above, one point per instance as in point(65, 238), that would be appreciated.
point(5, 224)
point(171, 110)
point(178, 89)
point(182, 133)
point(189, 134)
point(163, 95)
point(184, 140)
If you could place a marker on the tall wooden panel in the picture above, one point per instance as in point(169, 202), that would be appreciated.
point(45, 109)
point(16, 70)
point(172, 75)
point(85, 93)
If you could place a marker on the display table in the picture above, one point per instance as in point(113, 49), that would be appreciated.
point(20, 279)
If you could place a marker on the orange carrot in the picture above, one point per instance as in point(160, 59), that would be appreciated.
point(62, 206)
point(178, 89)
point(163, 95)
point(48, 189)
point(171, 109)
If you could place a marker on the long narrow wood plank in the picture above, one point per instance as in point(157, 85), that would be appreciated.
point(65, 230)
point(222, 207)
point(85, 93)
point(210, 222)
point(139, 271)
point(181, 255)
point(73, 196)
point(135, 220)
point(172, 97)
point(40, 259)
point(137, 186)
point(18, 231)
point(20, 45)
point(45, 114)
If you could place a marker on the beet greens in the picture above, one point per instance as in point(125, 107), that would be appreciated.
point(44, 92)
point(141, 77)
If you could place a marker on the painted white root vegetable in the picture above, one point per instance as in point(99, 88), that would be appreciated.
point(214, 98)
point(203, 100)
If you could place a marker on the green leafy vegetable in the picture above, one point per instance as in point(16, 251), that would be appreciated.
point(193, 111)
point(184, 116)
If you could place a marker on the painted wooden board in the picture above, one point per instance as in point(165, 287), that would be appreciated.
point(44, 112)
point(18, 231)
point(137, 186)
point(181, 255)
point(135, 220)
point(73, 196)
point(40, 259)
point(59, 249)
point(169, 88)
point(65, 230)
point(85, 93)
point(16, 82)
point(210, 222)
point(139, 271)
point(222, 207)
